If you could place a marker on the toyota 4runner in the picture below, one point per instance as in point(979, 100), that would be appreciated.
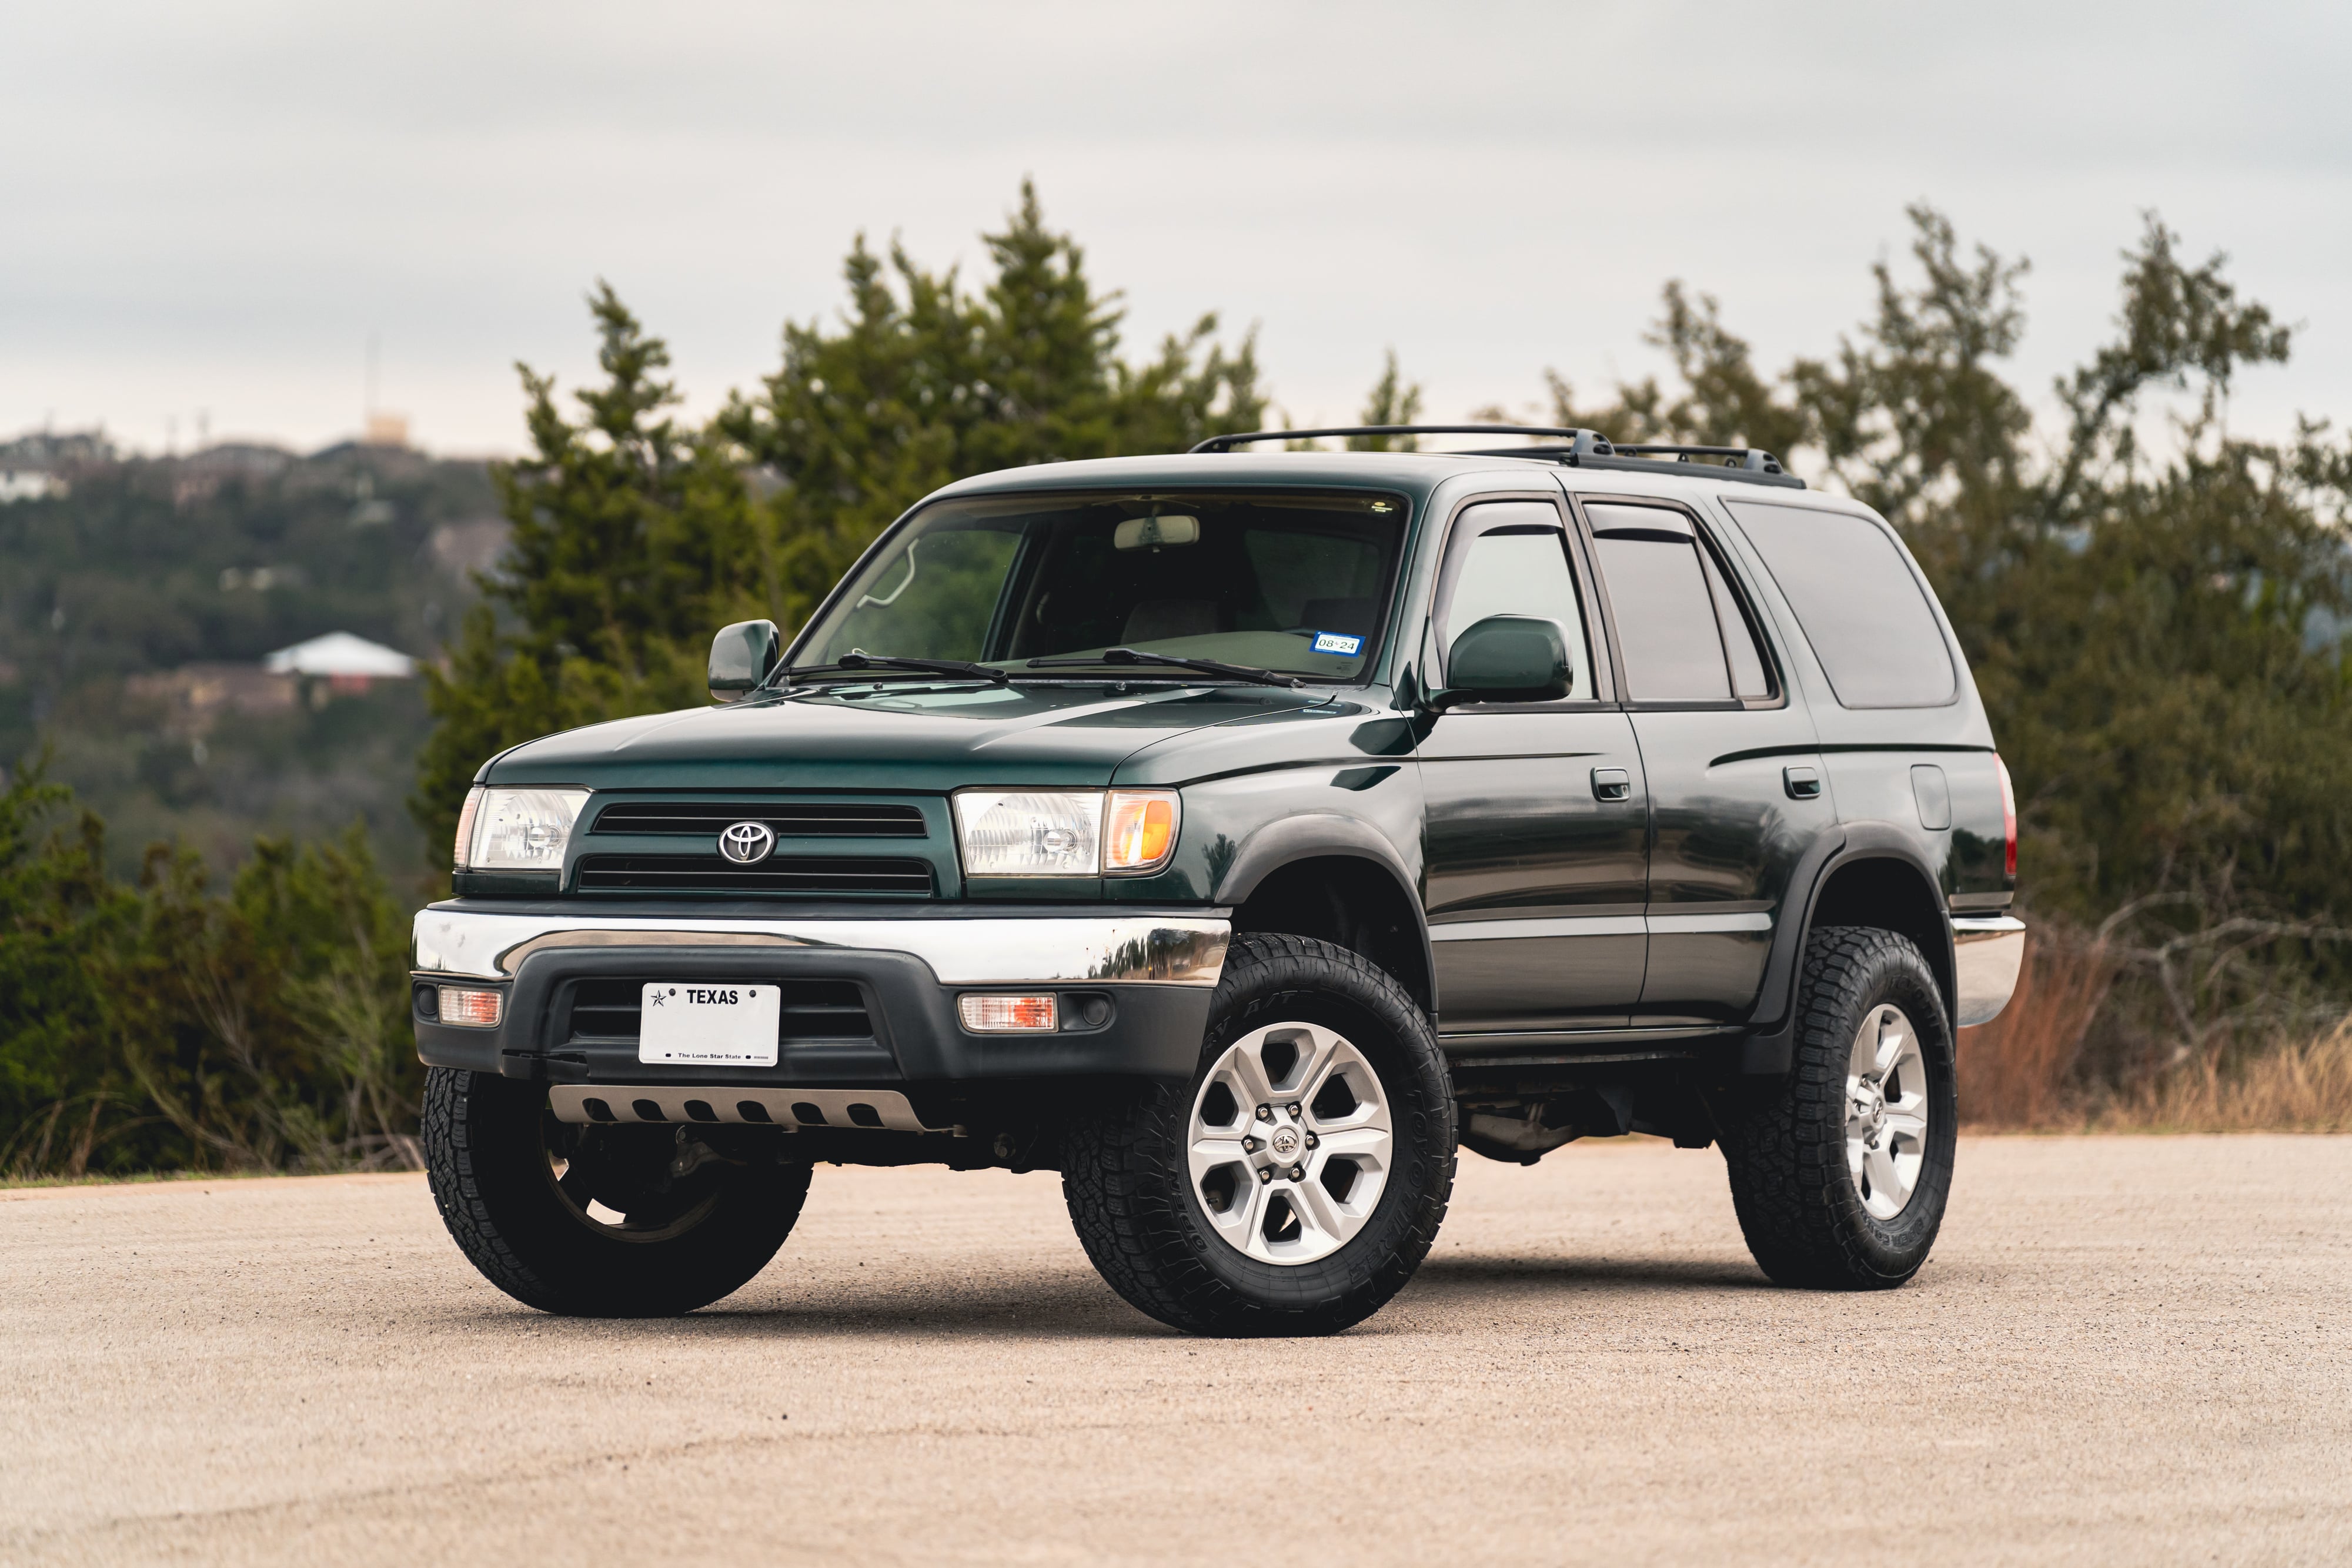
point(1240, 835)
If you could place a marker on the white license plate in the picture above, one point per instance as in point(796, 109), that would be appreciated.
point(726, 1024)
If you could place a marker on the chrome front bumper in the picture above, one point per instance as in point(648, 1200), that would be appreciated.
point(1987, 950)
point(977, 950)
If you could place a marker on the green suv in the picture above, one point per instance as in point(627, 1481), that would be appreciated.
point(1240, 834)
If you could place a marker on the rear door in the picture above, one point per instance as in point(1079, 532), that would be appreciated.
point(1736, 786)
point(1536, 811)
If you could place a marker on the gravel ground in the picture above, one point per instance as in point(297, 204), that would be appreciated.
point(2125, 1350)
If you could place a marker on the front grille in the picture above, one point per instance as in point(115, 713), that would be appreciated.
point(710, 873)
point(608, 1011)
point(789, 818)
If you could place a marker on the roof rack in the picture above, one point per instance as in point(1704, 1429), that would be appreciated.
point(1582, 449)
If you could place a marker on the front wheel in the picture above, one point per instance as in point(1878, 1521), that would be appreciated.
point(1298, 1180)
point(1839, 1173)
point(598, 1221)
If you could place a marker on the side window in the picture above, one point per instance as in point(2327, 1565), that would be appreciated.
point(1863, 608)
point(1511, 558)
point(1684, 635)
point(1749, 678)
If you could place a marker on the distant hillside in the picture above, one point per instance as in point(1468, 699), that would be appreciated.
point(145, 566)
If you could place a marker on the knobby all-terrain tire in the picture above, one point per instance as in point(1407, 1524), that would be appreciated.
point(1799, 1205)
point(1126, 1179)
point(485, 1150)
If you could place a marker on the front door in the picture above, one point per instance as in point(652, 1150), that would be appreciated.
point(1537, 812)
point(1737, 787)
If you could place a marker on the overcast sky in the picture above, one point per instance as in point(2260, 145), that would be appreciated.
point(207, 210)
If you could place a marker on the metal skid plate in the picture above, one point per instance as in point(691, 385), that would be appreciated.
point(881, 1109)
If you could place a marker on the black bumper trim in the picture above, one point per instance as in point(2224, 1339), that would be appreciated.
point(1153, 1030)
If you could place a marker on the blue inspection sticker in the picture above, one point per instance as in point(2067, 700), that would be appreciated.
point(1338, 643)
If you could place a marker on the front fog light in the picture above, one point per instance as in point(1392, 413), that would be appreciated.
point(473, 1008)
point(989, 1014)
point(1030, 833)
point(523, 830)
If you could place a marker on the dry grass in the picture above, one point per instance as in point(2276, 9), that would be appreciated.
point(2019, 1072)
point(2014, 1071)
point(2296, 1086)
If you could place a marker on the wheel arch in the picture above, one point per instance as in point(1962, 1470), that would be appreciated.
point(1861, 875)
point(1337, 880)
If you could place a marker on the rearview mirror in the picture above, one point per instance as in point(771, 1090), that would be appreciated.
point(741, 657)
point(1154, 533)
point(1507, 659)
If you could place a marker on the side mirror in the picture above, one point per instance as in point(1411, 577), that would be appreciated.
point(741, 657)
point(1507, 659)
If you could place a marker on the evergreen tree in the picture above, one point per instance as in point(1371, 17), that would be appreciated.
point(635, 538)
point(925, 383)
point(2154, 632)
point(1393, 401)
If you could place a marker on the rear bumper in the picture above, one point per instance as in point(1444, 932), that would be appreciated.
point(1144, 976)
point(1987, 950)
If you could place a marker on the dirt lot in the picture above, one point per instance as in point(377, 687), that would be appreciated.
point(2126, 1350)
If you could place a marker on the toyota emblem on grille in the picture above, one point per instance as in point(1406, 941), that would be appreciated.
point(747, 844)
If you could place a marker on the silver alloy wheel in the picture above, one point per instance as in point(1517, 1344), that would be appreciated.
point(1290, 1141)
point(1886, 1111)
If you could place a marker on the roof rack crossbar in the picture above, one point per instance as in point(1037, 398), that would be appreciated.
point(1583, 449)
point(1753, 458)
point(1583, 441)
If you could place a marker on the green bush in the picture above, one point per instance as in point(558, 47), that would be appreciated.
point(163, 1026)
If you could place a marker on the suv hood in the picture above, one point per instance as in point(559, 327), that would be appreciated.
point(899, 736)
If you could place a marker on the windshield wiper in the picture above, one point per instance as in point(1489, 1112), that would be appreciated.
point(858, 661)
point(1207, 666)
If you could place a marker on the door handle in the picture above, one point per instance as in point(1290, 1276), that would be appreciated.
point(1802, 783)
point(1611, 784)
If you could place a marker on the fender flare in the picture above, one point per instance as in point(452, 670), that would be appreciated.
point(1315, 835)
point(1770, 1045)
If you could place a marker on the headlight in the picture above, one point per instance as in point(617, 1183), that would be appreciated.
point(1066, 832)
point(521, 830)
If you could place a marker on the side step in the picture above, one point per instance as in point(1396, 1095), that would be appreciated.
point(883, 1109)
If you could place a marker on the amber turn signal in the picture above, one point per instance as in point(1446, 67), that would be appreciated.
point(1139, 831)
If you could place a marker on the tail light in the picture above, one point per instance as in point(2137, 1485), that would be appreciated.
point(2007, 818)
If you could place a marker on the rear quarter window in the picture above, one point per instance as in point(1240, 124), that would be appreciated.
point(1862, 607)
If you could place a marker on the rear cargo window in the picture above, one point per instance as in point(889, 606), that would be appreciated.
point(1863, 608)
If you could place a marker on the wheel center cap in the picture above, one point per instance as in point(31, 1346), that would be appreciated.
point(1869, 1102)
point(1285, 1143)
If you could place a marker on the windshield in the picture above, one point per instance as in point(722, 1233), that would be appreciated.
point(1286, 581)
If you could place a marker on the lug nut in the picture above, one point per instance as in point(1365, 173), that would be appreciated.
point(1312, 1141)
point(1250, 1145)
point(1291, 1109)
point(1265, 1113)
point(1265, 1173)
point(1299, 1172)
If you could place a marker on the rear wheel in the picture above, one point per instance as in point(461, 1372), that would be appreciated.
point(1298, 1181)
point(1839, 1174)
point(600, 1221)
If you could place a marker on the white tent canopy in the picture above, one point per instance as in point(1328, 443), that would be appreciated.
point(341, 654)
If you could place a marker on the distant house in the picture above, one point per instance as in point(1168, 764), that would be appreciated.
point(193, 698)
point(27, 483)
point(38, 465)
point(346, 662)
